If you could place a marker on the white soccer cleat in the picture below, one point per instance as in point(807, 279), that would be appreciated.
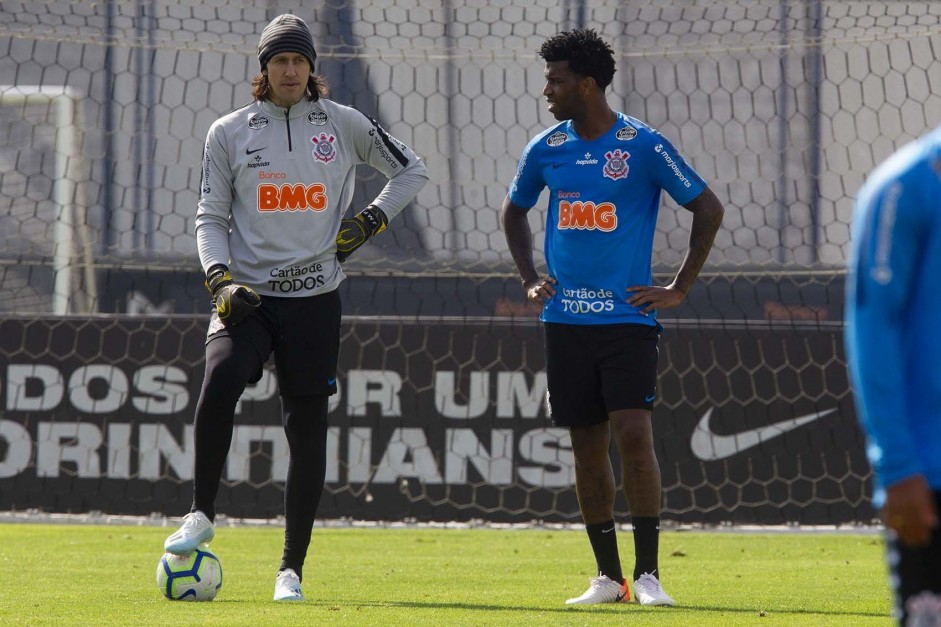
point(603, 590)
point(196, 529)
point(648, 591)
point(287, 587)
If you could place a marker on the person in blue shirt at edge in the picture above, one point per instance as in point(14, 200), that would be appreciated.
point(605, 171)
point(893, 348)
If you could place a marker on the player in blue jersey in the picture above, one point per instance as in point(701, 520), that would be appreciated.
point(605, 172)
point(893, 344)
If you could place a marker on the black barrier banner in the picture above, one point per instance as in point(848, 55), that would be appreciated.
point(434, 420)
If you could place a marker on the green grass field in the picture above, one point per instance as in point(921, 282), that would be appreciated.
point(105, 575)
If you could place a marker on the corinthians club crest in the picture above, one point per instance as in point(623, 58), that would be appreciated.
point(324, 149)
point(616, 166)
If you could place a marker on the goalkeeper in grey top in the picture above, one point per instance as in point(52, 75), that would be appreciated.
point(277, 178)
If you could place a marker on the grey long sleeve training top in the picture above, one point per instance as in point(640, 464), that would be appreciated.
point(275, 184)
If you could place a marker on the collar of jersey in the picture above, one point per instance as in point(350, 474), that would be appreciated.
point(300, 109)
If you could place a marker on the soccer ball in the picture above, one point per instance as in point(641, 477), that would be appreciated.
point(193, 577)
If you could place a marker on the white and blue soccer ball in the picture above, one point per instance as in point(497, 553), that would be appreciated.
point(193, 577)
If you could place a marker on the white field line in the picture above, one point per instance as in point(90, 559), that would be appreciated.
point(159, 520)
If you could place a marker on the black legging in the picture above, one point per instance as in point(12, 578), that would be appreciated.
point(305, 424)
point(229, 366)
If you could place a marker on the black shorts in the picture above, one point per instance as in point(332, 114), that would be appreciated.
point(916, 576)
point(593, 370)
point(304, 335)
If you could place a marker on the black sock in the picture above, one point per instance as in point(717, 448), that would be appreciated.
point(646, 545)
point(211, 514)
point(604, 543)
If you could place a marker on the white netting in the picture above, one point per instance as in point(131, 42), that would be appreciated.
point(784, 106)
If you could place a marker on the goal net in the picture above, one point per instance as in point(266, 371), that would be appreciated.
point(783, 106)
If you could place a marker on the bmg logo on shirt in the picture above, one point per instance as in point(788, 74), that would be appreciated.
point(287, 197)
point(587, 216)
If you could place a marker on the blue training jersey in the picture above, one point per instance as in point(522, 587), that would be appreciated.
point(604, 196)
point(893, 303)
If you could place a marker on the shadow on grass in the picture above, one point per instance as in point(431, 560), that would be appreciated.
point(605, 608)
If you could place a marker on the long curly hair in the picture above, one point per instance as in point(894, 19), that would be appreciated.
point(317, 87)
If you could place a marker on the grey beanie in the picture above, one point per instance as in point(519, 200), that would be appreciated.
point(286, 33)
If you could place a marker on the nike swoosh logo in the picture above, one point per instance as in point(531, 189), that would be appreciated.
point(649, 399)
point(607, 530)
point(331, 381)
point(251, 152)
point(709, 446)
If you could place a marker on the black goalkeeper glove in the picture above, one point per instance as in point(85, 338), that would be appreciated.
point(233, 302)
point(355, 231)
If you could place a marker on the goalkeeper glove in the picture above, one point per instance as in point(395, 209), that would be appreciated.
point(355, 231)
point(233, 302)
